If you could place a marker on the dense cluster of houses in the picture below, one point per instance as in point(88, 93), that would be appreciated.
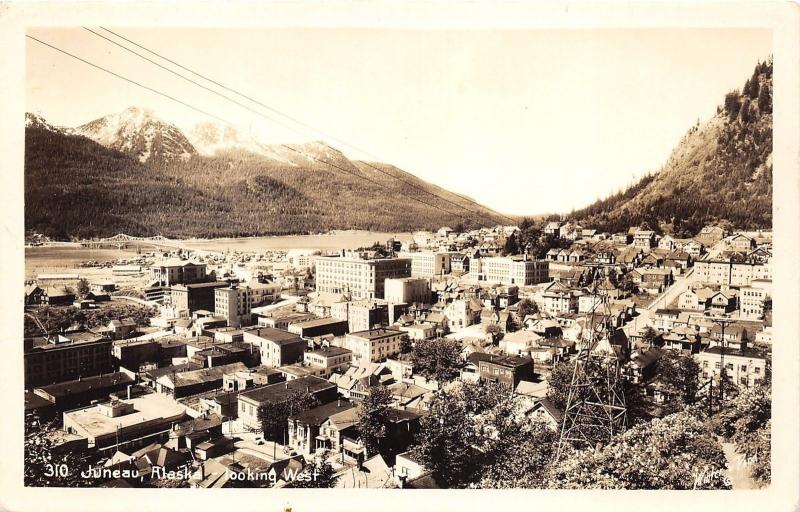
point(189, 393)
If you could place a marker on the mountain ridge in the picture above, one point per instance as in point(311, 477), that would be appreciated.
point(77, 187)
point(720, 172)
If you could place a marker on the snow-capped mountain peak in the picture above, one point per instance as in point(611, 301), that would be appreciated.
point(140, 133)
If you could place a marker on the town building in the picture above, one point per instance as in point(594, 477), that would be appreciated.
point(65, 357)
point(361, 278)
point(507, 370)
point(407, 290)
point(277, 347)
point(729, 272)
point(174, 271)
point(514, 270)
point(235, 304)
point(251, 401)
point(329, 359)
point(744, 367)
point(319, 327)
point(194, 296)
point(428, 263)
point(113, 425)
point(374, 345)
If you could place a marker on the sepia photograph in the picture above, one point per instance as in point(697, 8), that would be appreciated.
point(399, 258)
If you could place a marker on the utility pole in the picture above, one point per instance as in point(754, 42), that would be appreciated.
point(722, 322)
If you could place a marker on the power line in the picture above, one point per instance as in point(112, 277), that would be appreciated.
point(228, 122)
point(286, 116)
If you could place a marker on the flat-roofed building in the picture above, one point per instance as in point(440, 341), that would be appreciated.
point(116, 424)
point(744, 367)
point(284, 320)
point(361, 278)
point(330, 359)
point(194, 296)
point(428, 263)
point(277, 347)
point(319, 327)
point(507, 370)
point(731, 273)
point(407, 290)
point(514, 270)
point(374, 345)
point(251, 401)
point(65, 357)
point(174, 271)
point(234, 303)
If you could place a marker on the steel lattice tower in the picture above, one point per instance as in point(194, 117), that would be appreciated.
point(595, 409)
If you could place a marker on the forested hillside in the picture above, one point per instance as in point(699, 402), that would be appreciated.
point(75, 187)
point(720, 171)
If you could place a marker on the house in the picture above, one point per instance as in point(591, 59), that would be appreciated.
point(694, 248)
point(53, 296)
point(741, 243)
point(34, 294)
point(652, 280)
point(698, 299)
point(553, 228)
point(710, 235)
point(356, 379)
point(644, 239)
point(304, 433)
point(682, 340)
point(547, 411)
point(641, 367)
point(664, 319)
point(519, 342)
point(121, 329)
point(723, 301)
point(666, 243)
point(735, 335)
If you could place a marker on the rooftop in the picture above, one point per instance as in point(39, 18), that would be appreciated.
point(318, 415)
point(277, 336)
point(91, 422)
point(280, 391)
point(74, 387)
point(374, 334)
point(331, 351)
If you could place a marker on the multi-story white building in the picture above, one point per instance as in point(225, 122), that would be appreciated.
point(235, 304)
point(362, 278)
point(519, 271)
point(329, 359)
point(743, 367)
point(752, 298)
point(374, 345)
point(175, 271)
point(428, 263)
point(732, 273)
point(407, 290)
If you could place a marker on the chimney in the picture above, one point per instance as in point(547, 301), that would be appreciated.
point(339, 403)
point(129, 391)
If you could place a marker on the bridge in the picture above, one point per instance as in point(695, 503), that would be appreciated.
point(121, 240)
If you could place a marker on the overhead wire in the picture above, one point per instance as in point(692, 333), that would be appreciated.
point(288, 117)
point(188, 105)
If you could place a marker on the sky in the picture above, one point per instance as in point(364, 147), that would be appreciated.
point(525, 121)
